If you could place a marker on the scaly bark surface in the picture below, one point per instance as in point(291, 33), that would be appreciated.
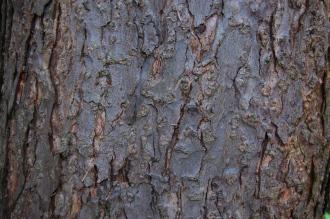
point(164, 108)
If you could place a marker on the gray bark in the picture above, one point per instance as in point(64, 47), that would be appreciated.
point(164, 108)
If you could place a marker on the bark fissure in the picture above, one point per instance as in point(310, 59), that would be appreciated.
point(176, 133)
point(312, 181)
point(205, 213)
point(52, 75)
point(260, 164)
point(164, 109)
point(272, 39)
point(326, 187)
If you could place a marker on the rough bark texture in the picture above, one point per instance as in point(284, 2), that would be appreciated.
point(164, 108)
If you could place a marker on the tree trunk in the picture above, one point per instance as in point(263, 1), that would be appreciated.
point(164, 109)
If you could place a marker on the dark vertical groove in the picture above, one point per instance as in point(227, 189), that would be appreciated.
point(52, 71)
point(10, 14)
point(6, 209)
point(28, 46)
point(262, 155)
point(325, 110)
point(312, 177)
point(3, 17)
point(272, 38)
point(175, 135)
point(326, 188)
point(52, 62)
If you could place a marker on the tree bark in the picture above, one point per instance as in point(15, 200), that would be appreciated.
point(164, 109)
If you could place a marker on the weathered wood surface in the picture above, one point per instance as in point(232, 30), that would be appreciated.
point(164, 108)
